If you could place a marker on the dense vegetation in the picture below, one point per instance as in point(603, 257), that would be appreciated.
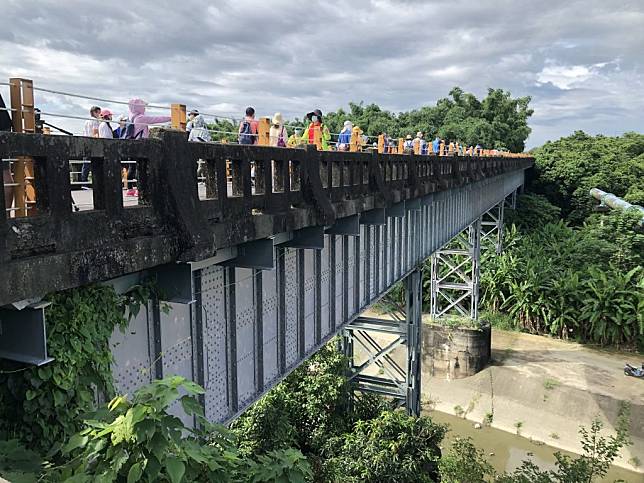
point(303, 430)
point(568, 168)
point(585, 283)
point(497, 121)
point(566, 270)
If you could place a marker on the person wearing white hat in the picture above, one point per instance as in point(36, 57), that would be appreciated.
point(344, 139)
point(198, 128)
point(422, 144)
point(277, 135)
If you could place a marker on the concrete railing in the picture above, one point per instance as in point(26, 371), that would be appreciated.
point(58, 248)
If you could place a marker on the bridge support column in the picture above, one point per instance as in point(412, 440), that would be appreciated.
point(384, 354)
point(455, 275)
point(492, 226)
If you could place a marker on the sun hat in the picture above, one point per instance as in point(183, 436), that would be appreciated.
point(105, 112)
point(315, 112)
point(419, 134)
point(408, 136)
point(277, 118)
point(348, 124)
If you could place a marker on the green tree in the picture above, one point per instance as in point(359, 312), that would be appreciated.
point(567, 169)
point(497, 121)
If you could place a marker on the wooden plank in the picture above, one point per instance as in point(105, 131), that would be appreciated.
point(15, 94)
point(263, 131)
point(178, 116)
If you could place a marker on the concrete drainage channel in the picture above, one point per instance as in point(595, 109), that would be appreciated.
point(541, 389)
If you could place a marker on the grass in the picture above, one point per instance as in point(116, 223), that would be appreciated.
point(458, 321)
point(500, 321)
point(488, 419)
point(635, 461)
point(459, 411)
point(518, 425)
point(549, 385)
point(554, 436)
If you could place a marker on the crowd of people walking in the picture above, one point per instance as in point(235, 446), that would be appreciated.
point(136, 125)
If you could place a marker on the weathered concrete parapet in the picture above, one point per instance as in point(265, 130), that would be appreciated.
point(455, 352)
point(60, 248)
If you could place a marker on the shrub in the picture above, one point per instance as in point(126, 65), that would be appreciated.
point(394, 447)
point(139, 440)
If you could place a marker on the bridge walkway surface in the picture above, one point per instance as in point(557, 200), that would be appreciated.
point(259, 275)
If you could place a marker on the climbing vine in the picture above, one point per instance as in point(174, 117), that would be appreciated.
point(44, 406)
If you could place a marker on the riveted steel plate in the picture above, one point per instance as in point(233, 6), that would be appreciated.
point(132, 366)
point(214, 322)
point(245, 318)
point(292, 303)
point(270, 324)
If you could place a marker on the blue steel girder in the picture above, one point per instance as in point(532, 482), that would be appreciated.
point(248, 328)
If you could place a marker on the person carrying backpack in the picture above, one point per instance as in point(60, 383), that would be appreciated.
point(278, 136)
point(137, 128)
point(248, 128)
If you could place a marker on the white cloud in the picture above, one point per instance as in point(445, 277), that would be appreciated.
point(580, 60)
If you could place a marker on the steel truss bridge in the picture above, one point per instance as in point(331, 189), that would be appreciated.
point(261, 271)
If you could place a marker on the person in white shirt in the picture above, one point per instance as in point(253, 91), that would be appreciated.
point(104, 128)
point(91, 131)
point(91, 126)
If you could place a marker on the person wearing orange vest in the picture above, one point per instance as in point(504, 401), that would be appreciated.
point(316, 122)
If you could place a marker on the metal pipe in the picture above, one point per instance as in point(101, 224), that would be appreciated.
point(609, 199)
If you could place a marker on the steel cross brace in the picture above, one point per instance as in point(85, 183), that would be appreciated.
point(384, 354)
point(455, 274)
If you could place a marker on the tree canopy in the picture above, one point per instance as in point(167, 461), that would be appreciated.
point(498, 121)
point(567, 169)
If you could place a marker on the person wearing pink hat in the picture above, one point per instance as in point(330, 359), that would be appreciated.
point(104, 128)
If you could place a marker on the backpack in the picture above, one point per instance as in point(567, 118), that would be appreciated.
point(246, 134)
point(128, 132)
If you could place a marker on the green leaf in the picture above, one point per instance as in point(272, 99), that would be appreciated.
point(76, 441)
point(175, 468)
point(136, 470)
point(191, 406)
point(59, 398)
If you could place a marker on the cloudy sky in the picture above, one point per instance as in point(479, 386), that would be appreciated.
point(581, 61)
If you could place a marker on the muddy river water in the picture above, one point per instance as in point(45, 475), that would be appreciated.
point(509, 450)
